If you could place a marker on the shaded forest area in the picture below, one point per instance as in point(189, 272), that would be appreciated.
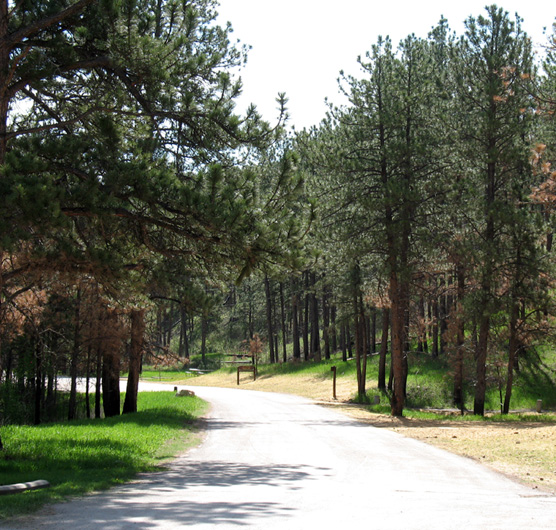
point(144, 221)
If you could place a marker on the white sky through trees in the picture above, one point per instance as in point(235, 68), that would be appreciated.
point(300, 46)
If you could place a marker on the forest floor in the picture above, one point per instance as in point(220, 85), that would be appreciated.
point(523, 450)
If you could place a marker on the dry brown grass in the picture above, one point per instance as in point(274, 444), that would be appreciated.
point(525, 451)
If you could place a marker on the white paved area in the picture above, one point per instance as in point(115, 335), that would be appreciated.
point(273, 461)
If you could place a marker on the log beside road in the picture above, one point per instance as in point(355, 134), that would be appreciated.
point(8, 489)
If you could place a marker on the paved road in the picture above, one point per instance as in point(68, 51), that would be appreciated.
point(273, 461)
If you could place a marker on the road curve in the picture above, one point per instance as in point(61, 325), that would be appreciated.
point(276, 461)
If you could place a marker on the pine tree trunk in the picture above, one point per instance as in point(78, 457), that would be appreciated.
point(97, 322)
point(514, 346)
point(383, 349)
point(399, 298)
point(88, 381)
point(349, 341)
point(184, 337)
point(295, 325)
point(250, 323)
point(362, 391)
point(359, 345)
point(443, 313)
point(110, 384)
point(204, 329)
point(72, 411)
point(333, 331)
point(486, 282)
point(50, 384)
point(326, 324)
point(306, 319)
point(343, 341)
point(283, 323)
point(110, 376)
point(98, 382)
point(135, 355)
point(481, 357)
point(421, 340)
point(372, 322)
point(5, 73)
point(459, 399)
point(269, 325)
point(38, 381)
point(435, 326)
point(3, 12)
point(315, 331)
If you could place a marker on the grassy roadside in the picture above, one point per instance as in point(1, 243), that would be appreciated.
point(82, 456)
point(522, 445)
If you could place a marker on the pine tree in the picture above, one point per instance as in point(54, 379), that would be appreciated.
point(489, 61)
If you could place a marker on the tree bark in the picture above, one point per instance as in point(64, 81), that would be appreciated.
point(250, 323)
point(315, 331)
point(72, 410)
point(459, 398)
point(38, 381)
point(326, 323)
point(98, 382)
point(295, 324)
point(513, 349)
point(383, 349)
point(333, 331)
point(135, 356)
point(486, 288)
point(283, 323)
point(204, 330)
point(421, 327)
point(88, 381)
point(343, 341)
point(269, 325)
point(110, 374)
point(372, 326)
point(306, 319)
point(435, 325)
point(443, 315)
point(184, 337)
point(398, 299)
point(360, 344)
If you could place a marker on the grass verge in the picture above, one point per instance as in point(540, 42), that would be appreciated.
point(88, 455)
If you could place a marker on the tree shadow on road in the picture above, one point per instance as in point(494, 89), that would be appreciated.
point(166, 498)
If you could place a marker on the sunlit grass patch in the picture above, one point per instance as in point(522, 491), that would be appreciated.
point(82, 456)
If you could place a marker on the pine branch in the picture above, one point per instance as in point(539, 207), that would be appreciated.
point(40, 25)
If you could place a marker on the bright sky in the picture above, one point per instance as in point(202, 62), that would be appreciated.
point(300, 46)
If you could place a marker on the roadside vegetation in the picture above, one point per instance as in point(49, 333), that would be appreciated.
point(429, 382)
point(88, 455)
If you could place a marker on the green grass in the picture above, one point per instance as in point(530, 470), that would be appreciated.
point(430, 384)
point(83, 456)
point(445, 416)
point(182, 371)
point(167, 376)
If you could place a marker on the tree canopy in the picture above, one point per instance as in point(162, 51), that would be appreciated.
point(136, 199)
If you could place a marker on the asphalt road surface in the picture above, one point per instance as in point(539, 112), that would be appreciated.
point(274, 461)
